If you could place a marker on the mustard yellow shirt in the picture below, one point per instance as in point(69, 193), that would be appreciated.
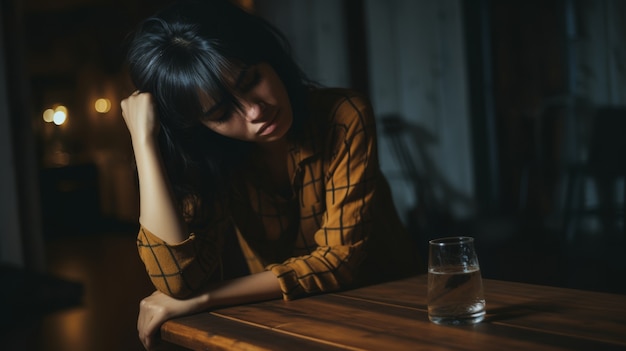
point(338, 229)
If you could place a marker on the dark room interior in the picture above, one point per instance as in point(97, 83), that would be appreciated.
point(534, 91)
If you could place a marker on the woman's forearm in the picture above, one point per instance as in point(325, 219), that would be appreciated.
point(158, 211)
point(157, 308)
point(250, 288)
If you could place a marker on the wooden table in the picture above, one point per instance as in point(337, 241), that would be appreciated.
point(393, 316)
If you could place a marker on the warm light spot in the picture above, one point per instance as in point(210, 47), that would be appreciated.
point(103, 105)
point(247, 5)
point(48, 115)
point(59, 117)
point(71, 327)
point(61, 108)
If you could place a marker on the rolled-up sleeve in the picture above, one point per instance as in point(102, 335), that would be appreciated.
point(180, 269)
point(349, 186)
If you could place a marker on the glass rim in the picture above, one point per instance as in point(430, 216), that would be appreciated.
point(452, 240)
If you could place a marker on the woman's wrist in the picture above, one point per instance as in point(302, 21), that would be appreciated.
point(203, 300)
point(245, 289)
point(146, 150)
point(144, 142)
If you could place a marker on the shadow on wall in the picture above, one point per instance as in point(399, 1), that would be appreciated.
point(435, 196)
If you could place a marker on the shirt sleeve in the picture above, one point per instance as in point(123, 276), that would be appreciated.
point(181, 269)
point(347, 221)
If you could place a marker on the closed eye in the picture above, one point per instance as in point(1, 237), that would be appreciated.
point(247, 80)
point(223, 117)
point(219, 115)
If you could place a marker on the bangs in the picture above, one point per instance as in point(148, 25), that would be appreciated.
point(194, 81)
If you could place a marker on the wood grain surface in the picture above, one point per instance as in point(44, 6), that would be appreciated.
point(393, 316)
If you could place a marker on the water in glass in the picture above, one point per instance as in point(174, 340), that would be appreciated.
point(455, 295)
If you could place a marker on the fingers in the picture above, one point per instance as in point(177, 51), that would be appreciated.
point(135, 93)
point(148, 333)
point(139, 115)
point(151, 316)
point(123, 107)
point(145, 323)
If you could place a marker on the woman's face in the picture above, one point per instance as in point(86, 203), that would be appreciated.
point(265, 114)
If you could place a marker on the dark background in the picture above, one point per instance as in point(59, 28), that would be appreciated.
point(81, 279)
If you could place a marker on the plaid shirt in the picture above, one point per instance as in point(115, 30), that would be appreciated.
point(339, 228)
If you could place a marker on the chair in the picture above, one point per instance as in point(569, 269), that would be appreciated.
point(605, 166)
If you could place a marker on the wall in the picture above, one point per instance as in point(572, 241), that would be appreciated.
point(418, 72)
point(10, 240)
point(315, 30)
point(597, 48)
point(599, 51)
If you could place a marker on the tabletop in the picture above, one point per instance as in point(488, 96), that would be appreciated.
point(393, 316)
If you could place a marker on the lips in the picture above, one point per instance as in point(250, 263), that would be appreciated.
point(268, 126)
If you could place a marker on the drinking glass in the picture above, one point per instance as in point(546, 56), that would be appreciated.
point(455, 287)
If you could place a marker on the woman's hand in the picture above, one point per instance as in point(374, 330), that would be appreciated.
point(140, 117)
point(157, 308)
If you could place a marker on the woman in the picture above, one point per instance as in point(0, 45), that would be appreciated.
point(254, 183)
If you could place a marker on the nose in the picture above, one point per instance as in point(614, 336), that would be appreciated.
point(255, 111)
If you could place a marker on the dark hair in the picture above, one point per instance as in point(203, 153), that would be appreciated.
point(191, 48)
